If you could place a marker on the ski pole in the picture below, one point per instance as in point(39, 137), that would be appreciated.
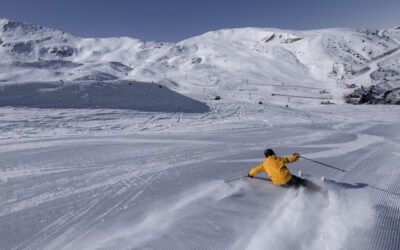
point(323, 164)
point(235, 179)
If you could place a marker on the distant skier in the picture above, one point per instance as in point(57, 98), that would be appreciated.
point(279, 173)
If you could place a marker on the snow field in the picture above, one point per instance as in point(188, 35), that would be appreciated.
point(219, 61)
point(76, 176)
point(315, 221)
point(160, 219)
point(101, 175)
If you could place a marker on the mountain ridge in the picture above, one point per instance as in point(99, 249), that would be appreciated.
point(221, 61)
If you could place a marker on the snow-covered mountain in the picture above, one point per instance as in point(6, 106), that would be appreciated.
point(246, 59)
point(82, 168)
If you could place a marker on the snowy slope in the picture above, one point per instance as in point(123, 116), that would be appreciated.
point(120, 179)
point(91, 172)
point(112, 95)
point(246, 59)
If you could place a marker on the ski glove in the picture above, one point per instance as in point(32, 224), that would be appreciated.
point(295, 154)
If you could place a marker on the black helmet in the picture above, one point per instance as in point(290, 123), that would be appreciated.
point(268, 152)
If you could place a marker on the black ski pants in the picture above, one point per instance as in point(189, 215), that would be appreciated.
point(297, 182)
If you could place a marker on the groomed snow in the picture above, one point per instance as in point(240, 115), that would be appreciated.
point(109, 174)
point(117, 179)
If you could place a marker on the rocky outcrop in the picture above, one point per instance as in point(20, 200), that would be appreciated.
point(375, 94)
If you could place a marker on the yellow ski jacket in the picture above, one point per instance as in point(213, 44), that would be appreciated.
point(275, 168)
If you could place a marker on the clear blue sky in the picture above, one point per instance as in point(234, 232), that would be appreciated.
point(175, 20)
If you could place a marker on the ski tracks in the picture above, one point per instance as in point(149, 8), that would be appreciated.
point(98, 183)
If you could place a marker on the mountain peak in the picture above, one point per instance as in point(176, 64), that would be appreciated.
point(8, 25)
point(14, 29)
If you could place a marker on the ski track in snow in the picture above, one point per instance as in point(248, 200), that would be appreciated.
point(112, 179)
point(123, 179)
point(314, 221)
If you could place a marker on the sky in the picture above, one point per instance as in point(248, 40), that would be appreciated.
point(176, 20)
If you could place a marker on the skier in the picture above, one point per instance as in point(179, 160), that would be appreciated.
point(279, 173)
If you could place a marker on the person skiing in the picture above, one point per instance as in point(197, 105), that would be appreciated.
point(278, 172)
